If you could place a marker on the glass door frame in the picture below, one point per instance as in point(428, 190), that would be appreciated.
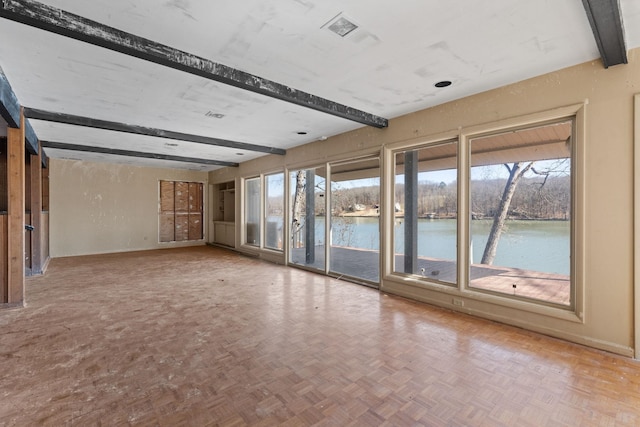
point(329, 219)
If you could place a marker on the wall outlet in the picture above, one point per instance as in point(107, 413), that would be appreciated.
point(458, 302)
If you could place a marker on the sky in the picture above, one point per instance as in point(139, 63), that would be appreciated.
point(447, 176)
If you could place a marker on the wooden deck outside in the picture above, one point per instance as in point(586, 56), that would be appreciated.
point(206, 337)
point(364, 264)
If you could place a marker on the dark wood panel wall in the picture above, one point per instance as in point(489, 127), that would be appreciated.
point(195, 210)
point(45, 189)
point(4, 195)
point(34, 198)
point(24, 190)
point(4, 282)
point(181, 211)
point(167, 209)
point(15, 214)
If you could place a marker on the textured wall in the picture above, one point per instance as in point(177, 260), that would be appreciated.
point(103, 207)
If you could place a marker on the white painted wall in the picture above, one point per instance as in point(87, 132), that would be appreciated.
point(104, 207)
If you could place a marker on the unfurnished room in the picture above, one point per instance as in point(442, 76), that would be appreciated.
point(319, 213)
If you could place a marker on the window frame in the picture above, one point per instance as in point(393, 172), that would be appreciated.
point(329, 218)
point(461, 295)
point(265, 196)
point(325, 168)
point(572, 150)
point(391, 252)
point(245, 205)
point(261, 214)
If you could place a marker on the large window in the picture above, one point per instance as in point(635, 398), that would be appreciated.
point(264, 199)
point(520, 198)
point(307, 217)
point(425, 209)
point(488, 213)
point(512, 237)
point(274, 210)
point(252, 211)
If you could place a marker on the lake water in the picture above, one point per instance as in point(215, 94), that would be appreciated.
point(531, 245)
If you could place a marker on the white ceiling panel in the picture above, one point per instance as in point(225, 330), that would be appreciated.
point(69, 134)
point(387, 66)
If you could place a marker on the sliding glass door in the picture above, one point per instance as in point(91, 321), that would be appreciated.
point(307, 218)
point(355, 220)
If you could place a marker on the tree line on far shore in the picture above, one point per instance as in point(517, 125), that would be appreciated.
point(534, 198)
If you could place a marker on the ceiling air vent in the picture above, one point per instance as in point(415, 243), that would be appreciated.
point(340, 25)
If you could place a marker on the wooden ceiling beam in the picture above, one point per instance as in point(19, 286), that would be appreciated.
point(67, 24)
point(69, 119)
point(606, 23)
point(31, 140)
point(9, 105)
point(129, 153)
point(45, 159)
point(10, 112)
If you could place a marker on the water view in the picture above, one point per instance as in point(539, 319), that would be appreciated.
point(530, 245)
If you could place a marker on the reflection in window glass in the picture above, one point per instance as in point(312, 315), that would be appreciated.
point(274, 210)
point(426, 207)
point(307, 206)
point(520, 198)
point(252, 211)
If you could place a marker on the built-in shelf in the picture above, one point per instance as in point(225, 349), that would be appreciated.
point(223, 216)
point(225, 233)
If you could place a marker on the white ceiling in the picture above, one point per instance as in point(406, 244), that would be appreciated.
point(387, 67)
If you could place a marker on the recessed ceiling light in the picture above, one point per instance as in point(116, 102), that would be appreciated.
point(443, 83)
point(302, 132)
point(214, 115)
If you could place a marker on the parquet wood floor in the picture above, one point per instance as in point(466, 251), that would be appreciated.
point(206, 337)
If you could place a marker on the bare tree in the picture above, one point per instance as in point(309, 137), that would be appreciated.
point(516, 171)
point(296, 220)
